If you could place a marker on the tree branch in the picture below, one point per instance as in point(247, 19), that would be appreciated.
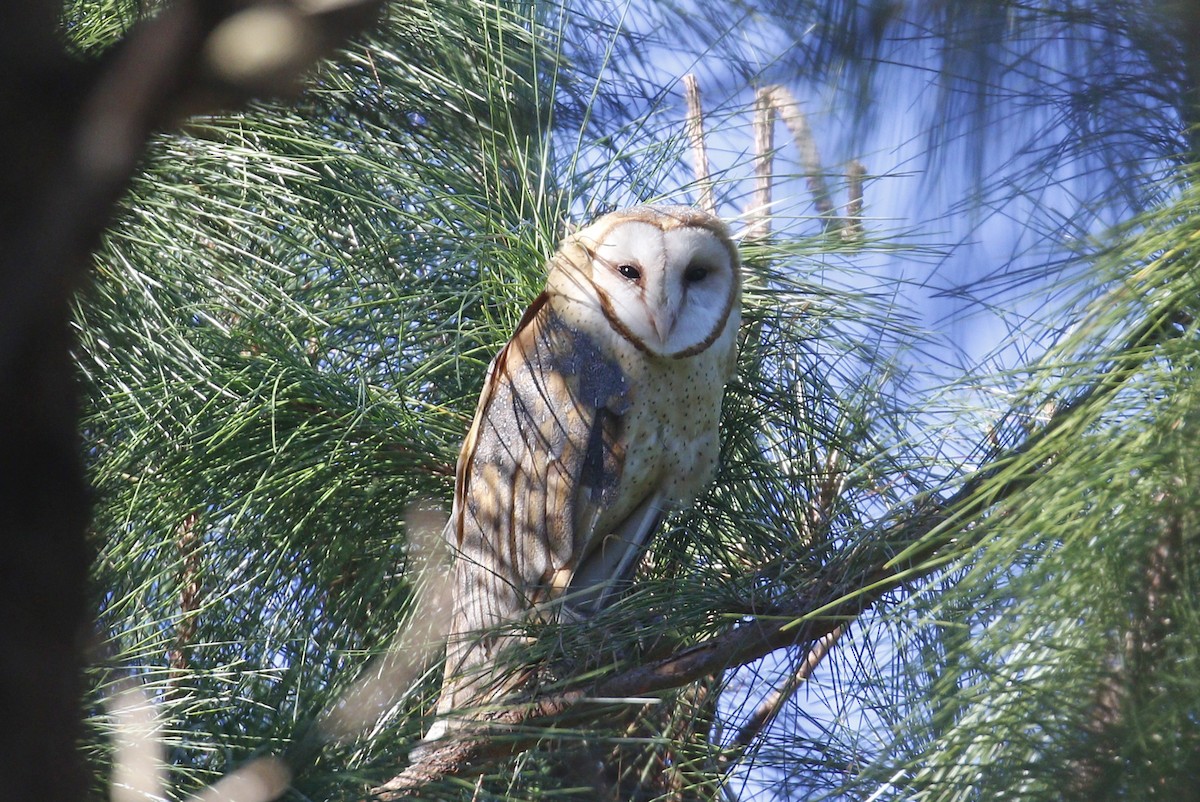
point(742, 644)
point(794, 118)
point(852, 224)
point(1133, 658)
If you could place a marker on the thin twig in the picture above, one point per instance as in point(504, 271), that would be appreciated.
point(820, 511)
point(188, 543)
point(769, 708)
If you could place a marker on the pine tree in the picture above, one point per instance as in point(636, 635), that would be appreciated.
point(289, 325)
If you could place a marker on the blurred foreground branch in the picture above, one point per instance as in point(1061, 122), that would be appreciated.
point(73, 136)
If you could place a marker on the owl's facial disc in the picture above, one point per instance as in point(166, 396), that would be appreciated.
point(670, 291)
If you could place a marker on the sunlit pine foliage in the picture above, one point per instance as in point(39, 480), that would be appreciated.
point(291, 318)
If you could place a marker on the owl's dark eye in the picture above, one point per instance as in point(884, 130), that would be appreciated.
point(630, 272)
point(695, 273)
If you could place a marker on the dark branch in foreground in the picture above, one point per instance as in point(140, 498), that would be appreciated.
point(73, 135)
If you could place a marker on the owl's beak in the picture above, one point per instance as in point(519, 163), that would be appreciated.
point(663, 323)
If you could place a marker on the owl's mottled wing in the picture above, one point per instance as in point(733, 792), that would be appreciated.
point(542, 460)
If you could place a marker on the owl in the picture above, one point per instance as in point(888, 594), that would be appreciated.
point(598, 416)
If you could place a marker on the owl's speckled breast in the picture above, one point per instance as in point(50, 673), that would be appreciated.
point(671, 428)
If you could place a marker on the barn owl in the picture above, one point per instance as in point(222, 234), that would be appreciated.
point(597, 417)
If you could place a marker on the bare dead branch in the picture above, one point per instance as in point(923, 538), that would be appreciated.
point(694, 125)
point(778, 99)
point(852, 226)
point(810, 158)
point(758, 216)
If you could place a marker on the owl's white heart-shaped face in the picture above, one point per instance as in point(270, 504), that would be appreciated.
point(665, 277)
